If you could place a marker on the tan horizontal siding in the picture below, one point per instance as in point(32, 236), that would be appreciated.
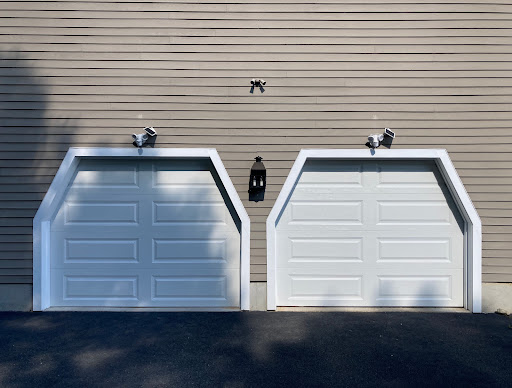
point(499, 12)
point(402, 48)
point(406, 21)
point(263, 66)
point(87, 76)
point(290, 8)
point(90, 73)
point(204, 2)
point(266, 57)
point(221, 41)
point(276, 32)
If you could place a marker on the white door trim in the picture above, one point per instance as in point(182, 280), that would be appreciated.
point(55, 194)
point(472, 230)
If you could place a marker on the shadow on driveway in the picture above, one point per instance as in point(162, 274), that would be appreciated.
point(254, 349)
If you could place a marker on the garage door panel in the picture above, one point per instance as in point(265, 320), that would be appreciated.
point(90, 250)
point(413, 211)
point(175, 176)
point(331, 191)
point(194, 290)
point(367, 288)
point(164, 252)
point(332, 194)
point(145, 288)
point(223, 252)
point(398, 236)
point(421, 175)
point(346, 177)
point(94, 287)
point(154, 232)
point(417, 251)
point(427, 229)
point(171, 212)
point(342, 212)
point(408, 254)
point(160, 234)
point(314, 288)
point(321, 250)
point(97, 213)
point(95, 174)
point(432, 287)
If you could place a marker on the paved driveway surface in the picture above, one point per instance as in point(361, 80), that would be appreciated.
point(255, 349)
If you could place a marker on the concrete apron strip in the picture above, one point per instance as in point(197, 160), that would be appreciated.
point(377, 309)
point(145, 309)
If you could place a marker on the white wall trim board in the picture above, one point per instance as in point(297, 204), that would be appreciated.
point(473, 225)
point(57, 190)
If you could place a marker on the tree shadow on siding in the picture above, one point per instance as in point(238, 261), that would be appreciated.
point(30, 158)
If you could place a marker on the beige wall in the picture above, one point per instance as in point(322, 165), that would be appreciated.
point(76, 73)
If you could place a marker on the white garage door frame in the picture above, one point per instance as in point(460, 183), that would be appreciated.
point(57, 190)
point(472, 223)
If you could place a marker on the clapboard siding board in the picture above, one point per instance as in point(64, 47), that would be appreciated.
point(264, 104)
point(263, 57)
point(271, 48)
point(273, 76)
point(278, 6)
point(267, 133)
point(269, 116)
point(80, 73)
point(409, 22)
point(270, 15)
point(240, 157)
point(237, 32)
point(262, 66)
point(122, 108)
point(167, 41)
point(103, 125)
point(306, 82)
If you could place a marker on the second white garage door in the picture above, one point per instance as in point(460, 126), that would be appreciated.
point(368, 233)
point(145, 233)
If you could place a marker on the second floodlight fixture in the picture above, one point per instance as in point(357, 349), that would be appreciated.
point(375, 141)
point(140, 139)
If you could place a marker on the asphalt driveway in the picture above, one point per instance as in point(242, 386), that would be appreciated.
point(255, 349)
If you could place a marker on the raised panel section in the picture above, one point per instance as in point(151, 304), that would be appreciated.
point(162, 178)
point(415, 212)
point(101, 212)
point(339, 212)
point(326, 287)
point(189, 287)
point(101, 251)
point(334, 175)
point(189, 213)
point(106, 175)
point(326, 250)
point(189, 251)
point(415, 287)
point(100, 287)
point(403, 175)
point(414, 250)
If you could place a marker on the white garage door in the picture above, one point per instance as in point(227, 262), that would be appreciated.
point(145, 233)
point(370, 233)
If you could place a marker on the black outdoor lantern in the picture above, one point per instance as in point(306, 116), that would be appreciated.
point(257, 181)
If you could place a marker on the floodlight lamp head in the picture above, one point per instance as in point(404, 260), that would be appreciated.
point(375, 140)
point(139, 139)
